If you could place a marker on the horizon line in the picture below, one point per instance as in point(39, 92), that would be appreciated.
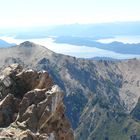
point(65, 24)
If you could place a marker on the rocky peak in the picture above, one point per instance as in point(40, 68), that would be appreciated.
point(27, 44)
point(31, 106)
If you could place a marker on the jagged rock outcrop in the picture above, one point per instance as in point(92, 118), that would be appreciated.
point(31, 107)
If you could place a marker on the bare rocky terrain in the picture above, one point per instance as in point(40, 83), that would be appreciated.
point(101, 97)
point(31, 107)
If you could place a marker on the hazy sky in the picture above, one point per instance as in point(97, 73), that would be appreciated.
point(47, 12)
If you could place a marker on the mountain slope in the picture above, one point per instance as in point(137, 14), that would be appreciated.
point(101, 97)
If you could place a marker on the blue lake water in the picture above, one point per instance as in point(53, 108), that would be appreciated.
point(81, 51)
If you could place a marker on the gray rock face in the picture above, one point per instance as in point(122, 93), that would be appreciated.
point(31, 107)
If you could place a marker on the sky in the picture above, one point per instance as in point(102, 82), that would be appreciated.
point(26, 13)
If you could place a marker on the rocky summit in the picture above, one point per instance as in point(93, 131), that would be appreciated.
point(31, 106)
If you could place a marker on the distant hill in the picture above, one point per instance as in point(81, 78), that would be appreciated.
point(102, 30)
point(98, 31)
point(118, 47)
point(4, 44)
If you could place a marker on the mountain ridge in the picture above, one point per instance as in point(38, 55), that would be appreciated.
point(99, 30)
point(100, 96)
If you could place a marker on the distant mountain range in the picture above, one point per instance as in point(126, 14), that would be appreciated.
point(104, 59)
point(97, 31)
point(4, 44)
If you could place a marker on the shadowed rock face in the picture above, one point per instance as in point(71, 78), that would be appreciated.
point(31, 106)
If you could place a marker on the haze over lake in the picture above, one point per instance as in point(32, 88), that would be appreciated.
point(81, 51)
point(124, 39)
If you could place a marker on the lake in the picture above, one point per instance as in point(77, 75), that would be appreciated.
point(77, 51)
